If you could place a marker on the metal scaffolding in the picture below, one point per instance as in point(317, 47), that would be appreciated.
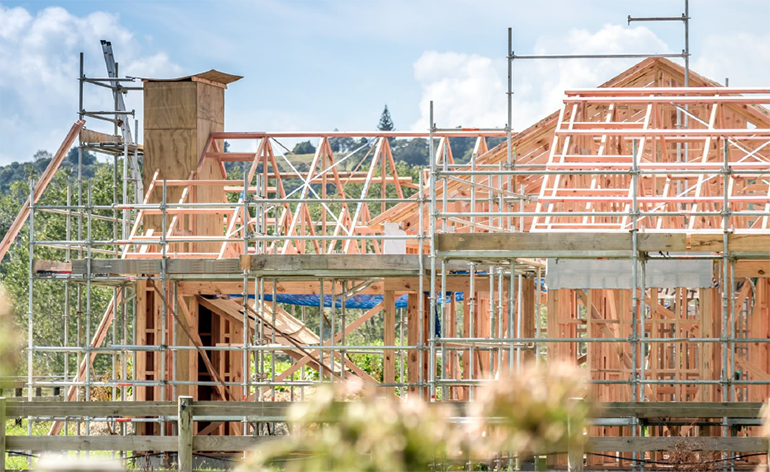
point(636, 173)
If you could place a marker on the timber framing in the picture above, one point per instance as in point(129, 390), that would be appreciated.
point(245, 279)
point(597, 244)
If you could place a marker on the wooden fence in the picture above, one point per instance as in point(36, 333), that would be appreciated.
point(186, 411)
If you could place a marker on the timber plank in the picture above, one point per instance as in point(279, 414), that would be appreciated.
point(752, 268)
point(735, 242)
point(665, 242)
point(92, 409)
point(637, 444)
point(241, 443)
point(679, 410)
point(130, 443)
point(16, 409)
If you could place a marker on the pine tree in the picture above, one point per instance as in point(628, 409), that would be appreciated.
point(386, 123)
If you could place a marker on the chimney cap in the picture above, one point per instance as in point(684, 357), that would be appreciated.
point(213, 77)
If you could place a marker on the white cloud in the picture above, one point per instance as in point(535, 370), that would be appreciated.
point(469, 90)
point(12, 21)
point(742, 57)
point(39, 69)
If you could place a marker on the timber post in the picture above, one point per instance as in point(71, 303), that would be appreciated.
point(2, 434)
point(185, 431)
point(575, 449)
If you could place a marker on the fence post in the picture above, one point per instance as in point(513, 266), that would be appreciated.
point(2, 434)
point(575, 442)
point(575, 456)
point(185, 432)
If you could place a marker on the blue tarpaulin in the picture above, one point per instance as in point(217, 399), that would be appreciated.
point(364, 302)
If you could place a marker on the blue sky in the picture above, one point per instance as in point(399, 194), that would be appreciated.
point(320, 65)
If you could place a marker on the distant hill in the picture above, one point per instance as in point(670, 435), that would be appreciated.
point(21, 171)
point(413, 152)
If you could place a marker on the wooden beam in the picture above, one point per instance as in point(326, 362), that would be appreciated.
point(389, 339)
point(2, 433)
point(242, 443)
point(298, 263)
point(573, 241)
point(126, 409)
point(750, 268)
point(413, 339)
point(185, 428)
point(41, 266)
point(735, 242)
point(193, 336)
point(130, 443)
point(668, 443)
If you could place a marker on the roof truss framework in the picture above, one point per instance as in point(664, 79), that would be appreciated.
point(292, 208)
point(601, 138)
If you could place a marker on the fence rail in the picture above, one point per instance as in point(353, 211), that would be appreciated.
point(185, 412)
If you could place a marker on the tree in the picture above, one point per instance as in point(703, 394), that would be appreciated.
point(342, 144)
point(386, 122)
point(462, 148)
point(411, 151)
point(49, 297)
point(303, 148)
point(42, 154)
point(72, 157)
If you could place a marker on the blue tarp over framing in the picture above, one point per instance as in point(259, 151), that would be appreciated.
point(364, 302)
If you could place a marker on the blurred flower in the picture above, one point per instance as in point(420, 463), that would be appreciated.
point(764, 414)
point(349, 427)
point(371, 433)
point(538, 409)
point(10, 341)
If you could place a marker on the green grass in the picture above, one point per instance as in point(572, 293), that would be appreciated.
point(40, 428)
point(15, 462)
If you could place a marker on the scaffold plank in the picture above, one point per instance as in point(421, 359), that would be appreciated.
point(566, 242)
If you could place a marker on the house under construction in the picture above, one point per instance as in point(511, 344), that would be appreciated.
point(626, 232)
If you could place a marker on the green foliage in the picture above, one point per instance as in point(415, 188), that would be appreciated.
point(304, 147)
point(282, 363)
point(413, 151)
point(386, 122)
point(344, 144)
point(49, 296)
point(371, 363)
point(18, 172)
